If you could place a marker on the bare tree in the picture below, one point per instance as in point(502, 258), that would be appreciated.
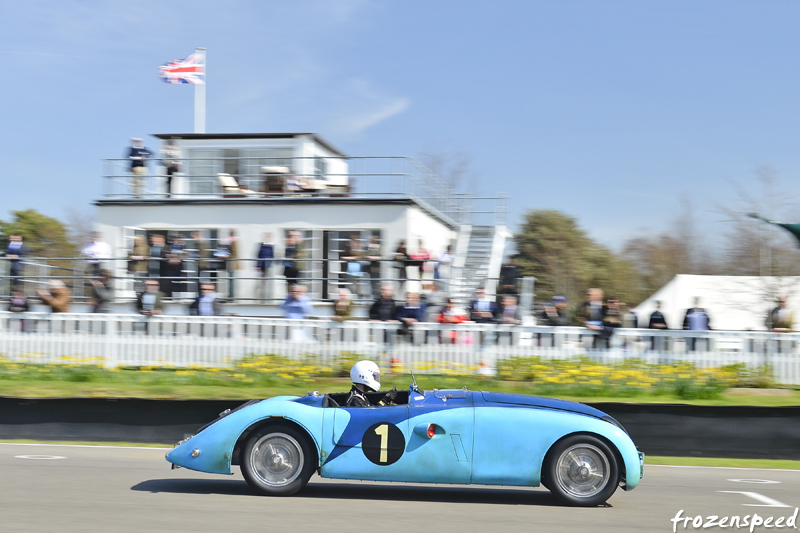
point(756, 248)
point(452, 166)
point(80, 225)
point(680, 249)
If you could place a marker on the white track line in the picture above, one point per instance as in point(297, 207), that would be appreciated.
point(83, 446)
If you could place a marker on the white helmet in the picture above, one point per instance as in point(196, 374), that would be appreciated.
point(366, 373)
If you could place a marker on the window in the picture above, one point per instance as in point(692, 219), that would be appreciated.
point(204, 165)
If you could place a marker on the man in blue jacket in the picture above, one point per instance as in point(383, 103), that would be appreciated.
point(265, 254)
point(411, 313)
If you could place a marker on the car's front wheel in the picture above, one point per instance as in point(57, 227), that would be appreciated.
point(582, 470)
point(277, 461)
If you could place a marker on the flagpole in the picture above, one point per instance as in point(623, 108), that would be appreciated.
point(200, 97)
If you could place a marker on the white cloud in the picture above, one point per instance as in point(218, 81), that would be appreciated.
point(357, 122)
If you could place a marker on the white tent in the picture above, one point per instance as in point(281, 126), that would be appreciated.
point(733, 302)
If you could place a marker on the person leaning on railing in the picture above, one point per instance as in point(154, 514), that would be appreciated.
point(452, 315)
point(343, 307)
point(150, 302)
point(58, 297)
point(137, 260)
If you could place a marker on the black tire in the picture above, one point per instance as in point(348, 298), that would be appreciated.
point(581, 470)
point(277, 460)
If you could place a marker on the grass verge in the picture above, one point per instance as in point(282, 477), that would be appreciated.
point(157, 389)
point(722, 462)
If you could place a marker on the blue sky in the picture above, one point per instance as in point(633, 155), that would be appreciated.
point(611, 111)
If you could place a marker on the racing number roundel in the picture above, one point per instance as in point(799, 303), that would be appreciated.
point(383, 443)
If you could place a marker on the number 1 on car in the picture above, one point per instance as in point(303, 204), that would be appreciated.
point(383, 432)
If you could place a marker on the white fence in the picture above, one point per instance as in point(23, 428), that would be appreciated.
point(181, 341)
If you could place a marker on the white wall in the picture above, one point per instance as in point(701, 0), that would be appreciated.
point(252, 219)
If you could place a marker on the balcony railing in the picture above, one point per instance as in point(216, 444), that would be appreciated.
point(322, 278)
point(180, 341)
point(364, 177)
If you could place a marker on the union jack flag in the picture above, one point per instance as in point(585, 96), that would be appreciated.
point(189, 70)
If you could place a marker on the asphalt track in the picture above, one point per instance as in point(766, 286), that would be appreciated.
point(55, 488)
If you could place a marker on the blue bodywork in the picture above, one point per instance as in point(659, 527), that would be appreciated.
point(478, 437)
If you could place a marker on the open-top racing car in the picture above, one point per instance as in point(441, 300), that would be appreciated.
point(440, 436)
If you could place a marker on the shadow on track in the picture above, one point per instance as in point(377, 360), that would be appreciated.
point(350, 491)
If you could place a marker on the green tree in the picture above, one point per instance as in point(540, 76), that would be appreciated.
point(554, 249)
point(43, 236)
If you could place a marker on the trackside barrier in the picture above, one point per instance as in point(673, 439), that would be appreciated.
point(182, 341)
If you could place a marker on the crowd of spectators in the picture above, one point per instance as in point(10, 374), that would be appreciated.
point(197, 271)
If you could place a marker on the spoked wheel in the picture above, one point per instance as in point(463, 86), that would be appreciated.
point(277, 461)
point(582, 470)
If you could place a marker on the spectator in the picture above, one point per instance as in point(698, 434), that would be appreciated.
point(452, 315)
point(97, 253)
point(297, 305)
point(265, 255)
point(150, 302)
point(373, 254)
point(102, 293)
point(400, 263)
point(171, 159)
point(207, 302)
point(353, 255)
point(509, 316)
point(420, 259)
point(15, 251)
point(659, 322)
point(612, 318)
point(510, 313)
point(158, 251)
point(58, 297)
point(138, 154)
point(200, 254)
point(173, 266)
point(232, 264)
point(384, 308)
point(629, 318)
point(220, 256)
point(18, 304)
point(290, 270)
point(509, 278)
point(409, 314)
point(434, 303)
point(443, 269)
point(301, 252)
point(483, 309)
point(592, 313)
point(137, 260)
point(696, 319)
point(593, 310)
point(781, 319)
point(343, 306)
point(555, 312)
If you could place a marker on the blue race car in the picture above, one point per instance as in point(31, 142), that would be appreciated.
point(441, 436)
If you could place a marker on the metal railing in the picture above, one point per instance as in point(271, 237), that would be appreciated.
point(366, 177)
point(244, 285)
point(181, 341)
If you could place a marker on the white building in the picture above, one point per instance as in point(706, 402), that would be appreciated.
point(280, 183)
point(734, 303)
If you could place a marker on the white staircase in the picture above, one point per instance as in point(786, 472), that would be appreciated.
point(477, 261)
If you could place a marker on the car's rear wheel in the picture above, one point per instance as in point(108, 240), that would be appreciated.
point(277, 460)
point(582, 470)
